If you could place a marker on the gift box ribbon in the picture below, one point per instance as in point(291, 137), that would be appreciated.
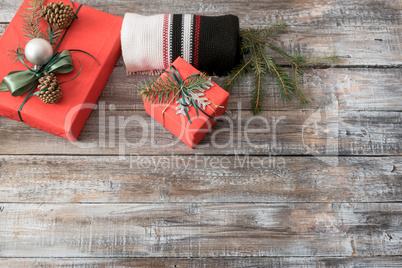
point(21, 82)
point(183, 93)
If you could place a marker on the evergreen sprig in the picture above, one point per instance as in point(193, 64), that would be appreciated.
point(171, 88)
point(256, 49)
point(32, 28)
point(13, 53)
point(53, 34)
point(159, 90)
point(30, 16)
point(165, 89)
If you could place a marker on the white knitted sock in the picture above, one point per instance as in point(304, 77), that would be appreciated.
point(142, 42)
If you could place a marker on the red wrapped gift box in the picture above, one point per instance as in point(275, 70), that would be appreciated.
point(95, 32)
point(190, 133)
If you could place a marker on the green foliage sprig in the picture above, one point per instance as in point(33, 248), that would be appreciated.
point(256, 49)
point(13, 53)
point(32, 28)
point(188, 92)
point(162, 90)
point(53, 34)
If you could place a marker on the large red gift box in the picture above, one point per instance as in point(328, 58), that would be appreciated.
point(190, 133)
point(94, 32)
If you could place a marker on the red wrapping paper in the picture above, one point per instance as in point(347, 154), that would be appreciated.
point(178, 124)
point(95, 32)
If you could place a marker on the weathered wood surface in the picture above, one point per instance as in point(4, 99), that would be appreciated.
point(200, 230)
point(352, 89)
point(363, 32)
point(323, 262)
point(107, 179)
point(293, 203)
point(303, 132)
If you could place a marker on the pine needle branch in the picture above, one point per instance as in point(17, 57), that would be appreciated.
point(325, 58)
point(13, 53)
point(256, 48)
point(282, 79)
point(273, 29)
point(257, 66)
point(30, 16)
point(53, 34)
point(198, 83)
point(248, 35)
point(302, 63)
point(160, 90)
point(292, 60)
point(298, 72)
point(165, 88)
point(236, 74)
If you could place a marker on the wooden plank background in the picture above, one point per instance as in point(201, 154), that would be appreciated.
point(305, 201)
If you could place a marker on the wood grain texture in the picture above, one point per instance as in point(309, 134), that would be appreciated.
point(363, 89)
point(321, 132)
point(352, 89)
point(200, 230)
point(276, 197)
point(3, 28)
point(257, 262)
point(105, 179)
point(362, 32)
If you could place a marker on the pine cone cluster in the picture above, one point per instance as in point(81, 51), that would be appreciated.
point(53, 92)
point(58, 14)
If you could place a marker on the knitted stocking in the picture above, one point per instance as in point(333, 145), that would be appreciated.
point(152, 43)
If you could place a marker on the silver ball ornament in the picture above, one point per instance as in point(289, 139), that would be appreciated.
point(38, 51)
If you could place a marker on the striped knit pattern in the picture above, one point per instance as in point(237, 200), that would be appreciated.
point(196, 41)
point(151, 43)
point(166, 33)
point(187, 37)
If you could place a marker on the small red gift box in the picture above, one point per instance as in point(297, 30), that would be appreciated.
point(94, 32)
point(192, 132)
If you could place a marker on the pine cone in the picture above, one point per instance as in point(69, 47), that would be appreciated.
point(53, 92)
point(58, 14)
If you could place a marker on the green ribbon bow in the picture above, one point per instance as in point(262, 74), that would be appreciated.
point(20, 82)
